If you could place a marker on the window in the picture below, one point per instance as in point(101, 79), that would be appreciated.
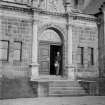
point(76, 2)
point(18, 51)
point(4, 50)
point(91, 56)
point(81, 55)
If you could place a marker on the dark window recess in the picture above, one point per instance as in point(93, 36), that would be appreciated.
point(17, 50)
point(92, 56)
point(81, 51)
point(82, 55)
point(4, 50)
point(76, 2)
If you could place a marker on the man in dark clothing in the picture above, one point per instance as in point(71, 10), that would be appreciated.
point(57, 63)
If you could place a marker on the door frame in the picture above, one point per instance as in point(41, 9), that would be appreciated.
point(60, 45)
point(49, 43)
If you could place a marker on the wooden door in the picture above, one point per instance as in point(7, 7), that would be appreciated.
point(44, 59)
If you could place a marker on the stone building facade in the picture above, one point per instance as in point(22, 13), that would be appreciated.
point(31, 34)
point(101, 37)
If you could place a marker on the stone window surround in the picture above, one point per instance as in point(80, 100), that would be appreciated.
point(91, 55)
point(19, 49)
point(81, 55)
point(7, 50)
point(89, 51)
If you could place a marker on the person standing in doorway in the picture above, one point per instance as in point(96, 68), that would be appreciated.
point(57, 63)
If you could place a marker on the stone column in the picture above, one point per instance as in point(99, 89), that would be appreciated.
point(34, 65)
point(0, 55)
point(70, 66)
point(0, 39)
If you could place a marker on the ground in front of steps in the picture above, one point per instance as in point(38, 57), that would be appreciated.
point(83, 100)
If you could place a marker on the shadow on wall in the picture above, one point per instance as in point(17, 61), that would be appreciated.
point(16, 88)
point(91, 88)
point(102, 86)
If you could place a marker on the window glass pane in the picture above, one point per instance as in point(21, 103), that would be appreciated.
point(17, 45)
point(17, 55)
point(80, 57)
point(3, 44)
point(3, 54)
point(91, 56)
point(76, 2)
point(4, 50)
point(17, 51)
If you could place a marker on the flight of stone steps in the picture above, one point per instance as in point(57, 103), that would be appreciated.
point(66, 88)
point(49, 78)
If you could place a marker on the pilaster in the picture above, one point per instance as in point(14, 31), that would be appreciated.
point(0, 39)
point(102, 39)
point(70, 67)
point(34, 65)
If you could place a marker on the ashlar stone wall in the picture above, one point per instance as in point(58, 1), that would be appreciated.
point(16, 29)
point(85, 34)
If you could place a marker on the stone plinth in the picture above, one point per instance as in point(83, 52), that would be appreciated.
point(71, 72)
point(40, 88)
point(34, 71)
point(0, 88)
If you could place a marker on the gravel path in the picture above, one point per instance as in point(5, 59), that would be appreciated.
point(86, 100)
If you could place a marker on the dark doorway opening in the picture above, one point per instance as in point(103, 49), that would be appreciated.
point(53, 53)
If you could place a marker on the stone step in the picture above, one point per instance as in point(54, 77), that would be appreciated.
point(64, 84)
point(67, 92)
point(49, 78)
point(65, 88)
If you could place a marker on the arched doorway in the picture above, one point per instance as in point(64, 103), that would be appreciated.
point(50, 43)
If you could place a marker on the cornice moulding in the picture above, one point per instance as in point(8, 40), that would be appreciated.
point(31, 10)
